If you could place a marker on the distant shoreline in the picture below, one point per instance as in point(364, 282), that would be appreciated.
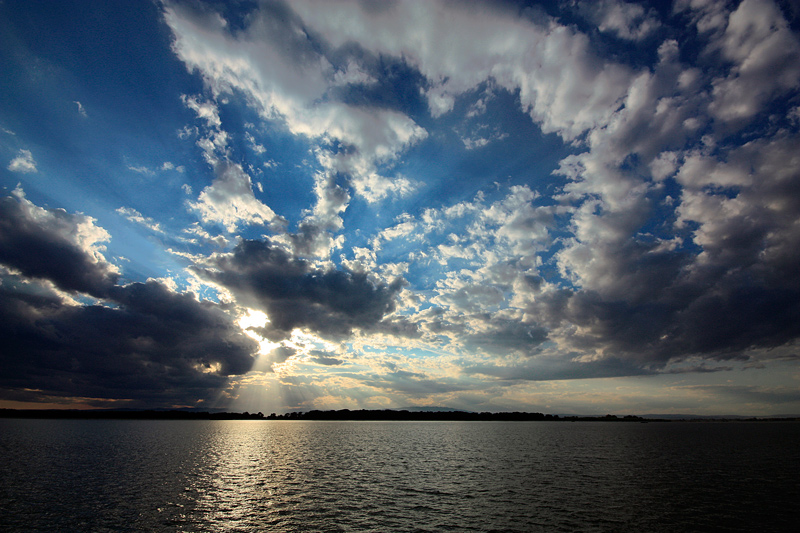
point(354, 415)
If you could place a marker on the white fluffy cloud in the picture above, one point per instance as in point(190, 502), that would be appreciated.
point(230, 201)
point(562, 84)
point(765, 58)
point(625, 20)
point(281, 70)
point(278, 66)
point(23, 162)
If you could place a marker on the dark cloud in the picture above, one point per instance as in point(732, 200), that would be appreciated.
point(44, 244)
point(146, 343)
point(720, 322)
point(314, 238)
point(507, 336)
point(397, 326)
point(157, 347)
point(724, 286)
point(327, 361)
point(557, 368)
point(750, 394)
point(701, 368)
point(282, 353)
point(296, 294)
point(414, 383)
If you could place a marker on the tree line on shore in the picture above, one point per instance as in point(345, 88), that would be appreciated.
point(393, 414)
point(341, 414)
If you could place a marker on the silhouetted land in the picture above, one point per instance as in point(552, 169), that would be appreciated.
point(341, 414)
point(390, 414)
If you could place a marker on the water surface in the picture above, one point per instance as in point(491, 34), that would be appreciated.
point(115, 475)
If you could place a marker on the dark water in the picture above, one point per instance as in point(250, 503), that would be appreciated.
point(106, 475)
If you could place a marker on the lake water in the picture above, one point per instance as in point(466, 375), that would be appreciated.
point(112, 475)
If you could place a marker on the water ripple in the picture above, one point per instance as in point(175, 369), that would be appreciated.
point(244, 476)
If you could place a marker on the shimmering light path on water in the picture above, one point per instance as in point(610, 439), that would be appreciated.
point(104, 475)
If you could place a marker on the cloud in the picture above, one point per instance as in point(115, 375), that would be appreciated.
point(765, 57)
point(156, 347)
point(326, 361)
point(135, 216)
point(168, 165)
point(141, 170)
point(459, 198)
point(54, 245)
point(257, 148)
point(141, 342)
point(645, 301)
point(288, 77)
point(641, 269)
point(625, 20)
point(481, 138)
point(414, 383)
point(555, 368)
point(710, 16)
point(23, 163)
point(457, 47)
point(296, 294)
point(81, 109)
point(230, 201)
point(750, 394)
point(714, 282)
point(218, 241)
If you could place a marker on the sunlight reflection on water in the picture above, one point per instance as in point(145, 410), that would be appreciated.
point(396, 476)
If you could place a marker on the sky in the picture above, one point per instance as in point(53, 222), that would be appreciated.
point(567, 207)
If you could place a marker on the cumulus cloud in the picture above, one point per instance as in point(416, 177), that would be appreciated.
point(230, 202)
point(654, 303)
point(156, 347)
point(717, 285)
point(23, 163)
point(288, 76)
point(296, 294)
point(457, 47)
point(765, 57)
point(654, 230)
point(659, 220)
point(141, 342)
point(54, 245)
point(626, 20)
